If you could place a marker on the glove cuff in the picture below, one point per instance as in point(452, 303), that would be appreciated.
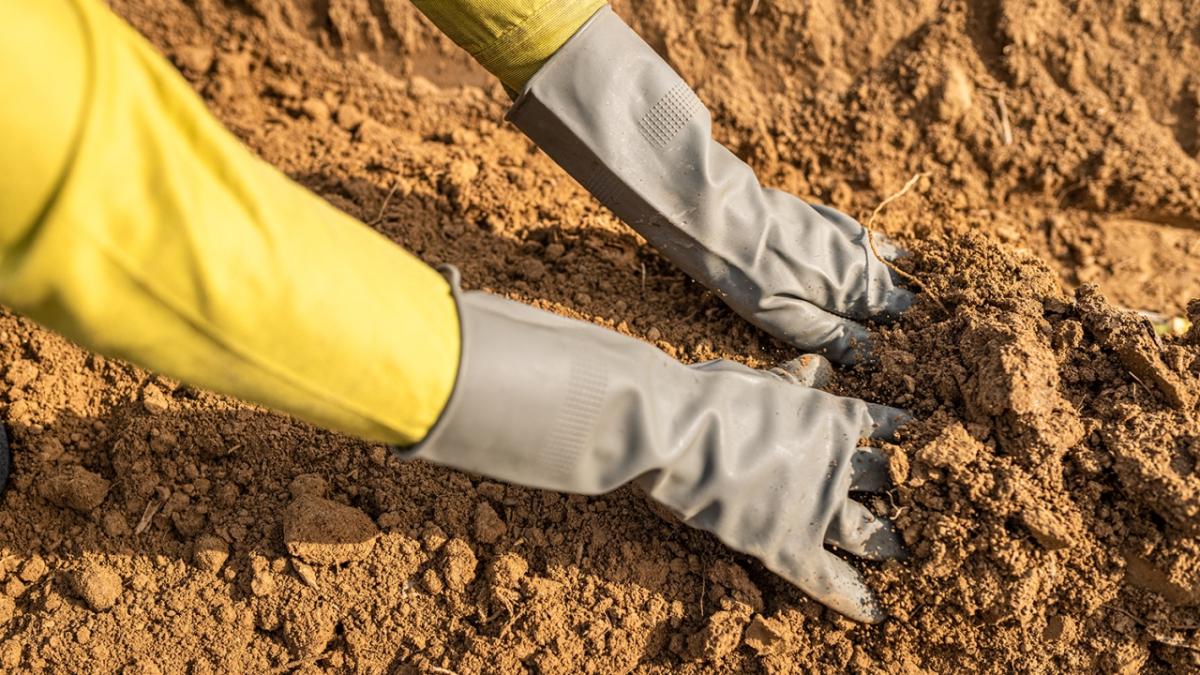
point(532, 390)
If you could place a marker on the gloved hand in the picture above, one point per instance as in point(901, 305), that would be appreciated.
point(763, 463)
point(617, 117)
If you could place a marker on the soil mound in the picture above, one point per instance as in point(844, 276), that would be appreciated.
point(1049, 490)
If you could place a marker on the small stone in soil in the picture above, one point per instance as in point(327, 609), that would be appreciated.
point(154, 400)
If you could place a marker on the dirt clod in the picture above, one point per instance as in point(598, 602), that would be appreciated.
point(508, 570)
point(315, 109)
point(324, 532)
point(262, 579)
point(765, 635)
point(33, 569)
point(308, 484)
point(957, 95)
point(194, 59)
point(721, 635)
point(460, 564)
point(307, 633)
point(97, 585)
point(114, 525)
point(209, 552)
point(488, 525)
point(21, 373)
point(1133, 340)
point(349, 117)
point(76, 488)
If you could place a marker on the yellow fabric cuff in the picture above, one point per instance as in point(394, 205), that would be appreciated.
point(510, 38)
point(151, 234)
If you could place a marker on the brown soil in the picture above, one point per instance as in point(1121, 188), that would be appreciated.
point(1049, 491)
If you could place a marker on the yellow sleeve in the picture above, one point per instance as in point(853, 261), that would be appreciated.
point(510, 38)
point(134, 224)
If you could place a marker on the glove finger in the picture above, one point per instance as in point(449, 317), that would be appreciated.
point(893, 299)
point(857, 531)
point(725, 366)
point(897, 301)
point(899, 298)
point(813, 329)
point(887, 247)
point(883, 422)
point(811, 370)
point(833, 582)
point(869, 471)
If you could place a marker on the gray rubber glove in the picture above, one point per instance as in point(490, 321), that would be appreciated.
point(763, 463)
point(617, 117)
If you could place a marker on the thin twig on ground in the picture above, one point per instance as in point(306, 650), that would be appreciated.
point(1139, 381)
point(999, 117)
point(1005, 125)
point(994, 119)
point(383, 207)
point(292, 665)
point(147, 516)
point(1155, 635)
point(870, 226)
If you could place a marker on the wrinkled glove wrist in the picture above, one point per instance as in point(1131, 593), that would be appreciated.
point(617, 117)
point(765, 464)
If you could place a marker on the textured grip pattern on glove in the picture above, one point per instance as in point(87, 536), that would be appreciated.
point(602, 184)
point(673, 112)
point(587, 386)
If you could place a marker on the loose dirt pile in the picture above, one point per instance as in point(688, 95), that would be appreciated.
point(1049, 490)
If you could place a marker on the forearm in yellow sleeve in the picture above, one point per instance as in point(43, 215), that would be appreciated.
point(134, 224)
point(510, 38)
